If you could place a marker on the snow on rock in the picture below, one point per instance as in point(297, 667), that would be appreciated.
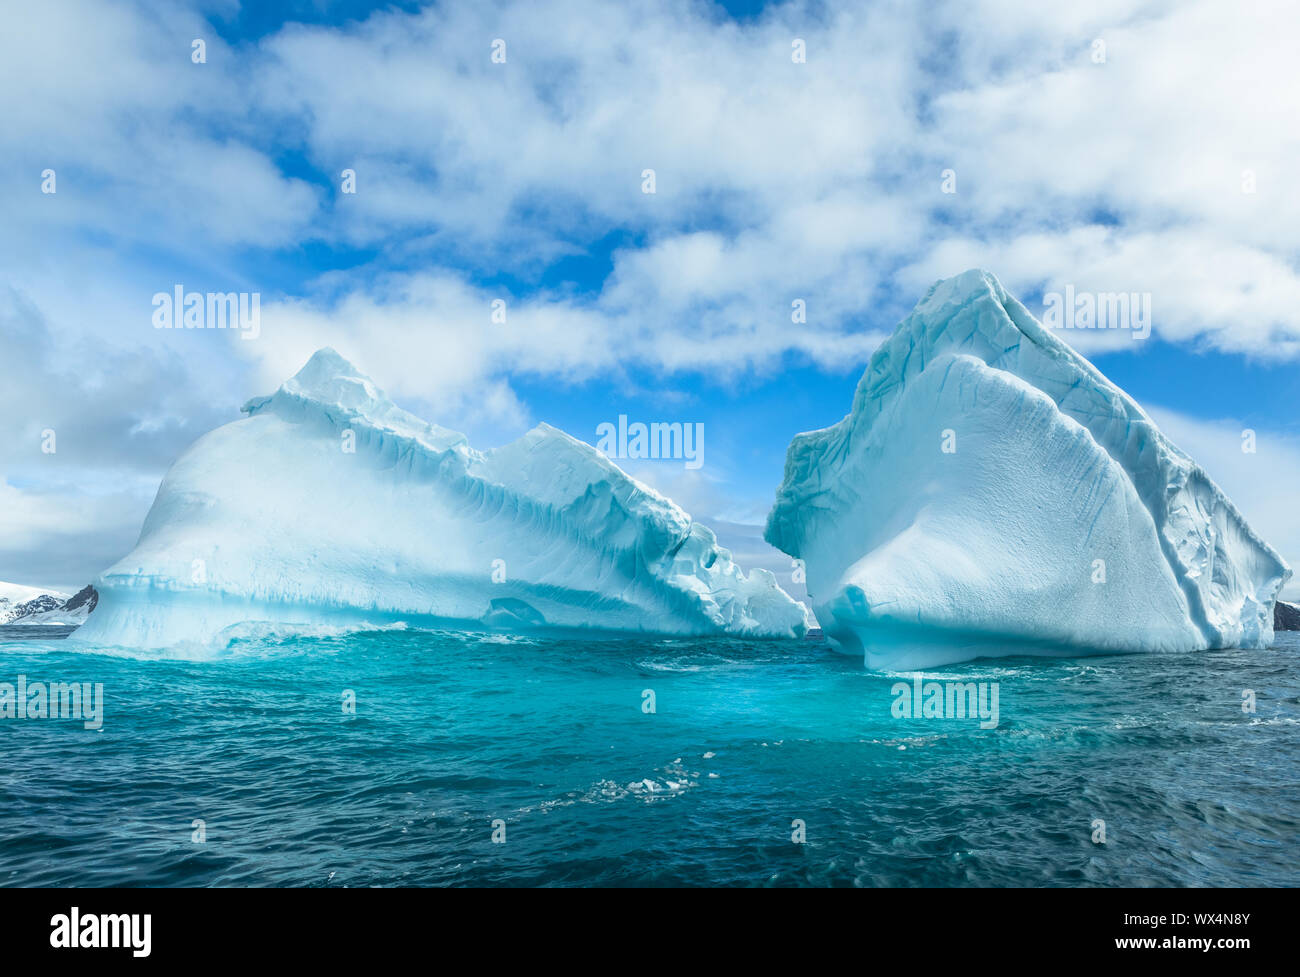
point(329, 504)
point(990, 492)
point(31, 605)
point(13, 594)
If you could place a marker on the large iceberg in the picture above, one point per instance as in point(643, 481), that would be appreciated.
point(991, 493)
point(329, 504)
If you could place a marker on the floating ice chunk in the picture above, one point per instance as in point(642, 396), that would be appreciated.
point(990, 492)
point(328, 503)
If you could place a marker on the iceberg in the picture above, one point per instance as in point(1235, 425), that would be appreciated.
point(329, 505)
point(991, 493)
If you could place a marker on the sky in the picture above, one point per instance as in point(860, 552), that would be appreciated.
point(844, 156)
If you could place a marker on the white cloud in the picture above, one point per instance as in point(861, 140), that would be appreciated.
point(1245, 300)
point(60, 539)
point(147, 146)
point(775, 180)
point(823, 178)
point(431, 336)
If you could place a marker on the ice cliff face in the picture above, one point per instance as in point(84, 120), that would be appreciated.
point(328, 503)
point(990, 492)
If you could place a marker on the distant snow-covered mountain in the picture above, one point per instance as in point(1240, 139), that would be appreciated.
point(30, 605)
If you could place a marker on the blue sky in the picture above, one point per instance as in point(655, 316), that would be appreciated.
point(1163, 167)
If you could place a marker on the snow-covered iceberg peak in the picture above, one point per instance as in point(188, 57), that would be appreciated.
point(991, 492)
point(330, 505)
point(329, 387)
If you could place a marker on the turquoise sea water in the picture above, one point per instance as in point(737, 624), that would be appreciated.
point(453, 732)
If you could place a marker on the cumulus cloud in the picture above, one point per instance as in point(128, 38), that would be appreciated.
point(60, 538)
point(778, 179)
point(146, 145)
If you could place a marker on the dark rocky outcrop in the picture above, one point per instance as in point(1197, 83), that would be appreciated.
point(1286, 617)
point(86, 595)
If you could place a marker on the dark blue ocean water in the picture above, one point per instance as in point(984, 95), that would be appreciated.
point(455, 731)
